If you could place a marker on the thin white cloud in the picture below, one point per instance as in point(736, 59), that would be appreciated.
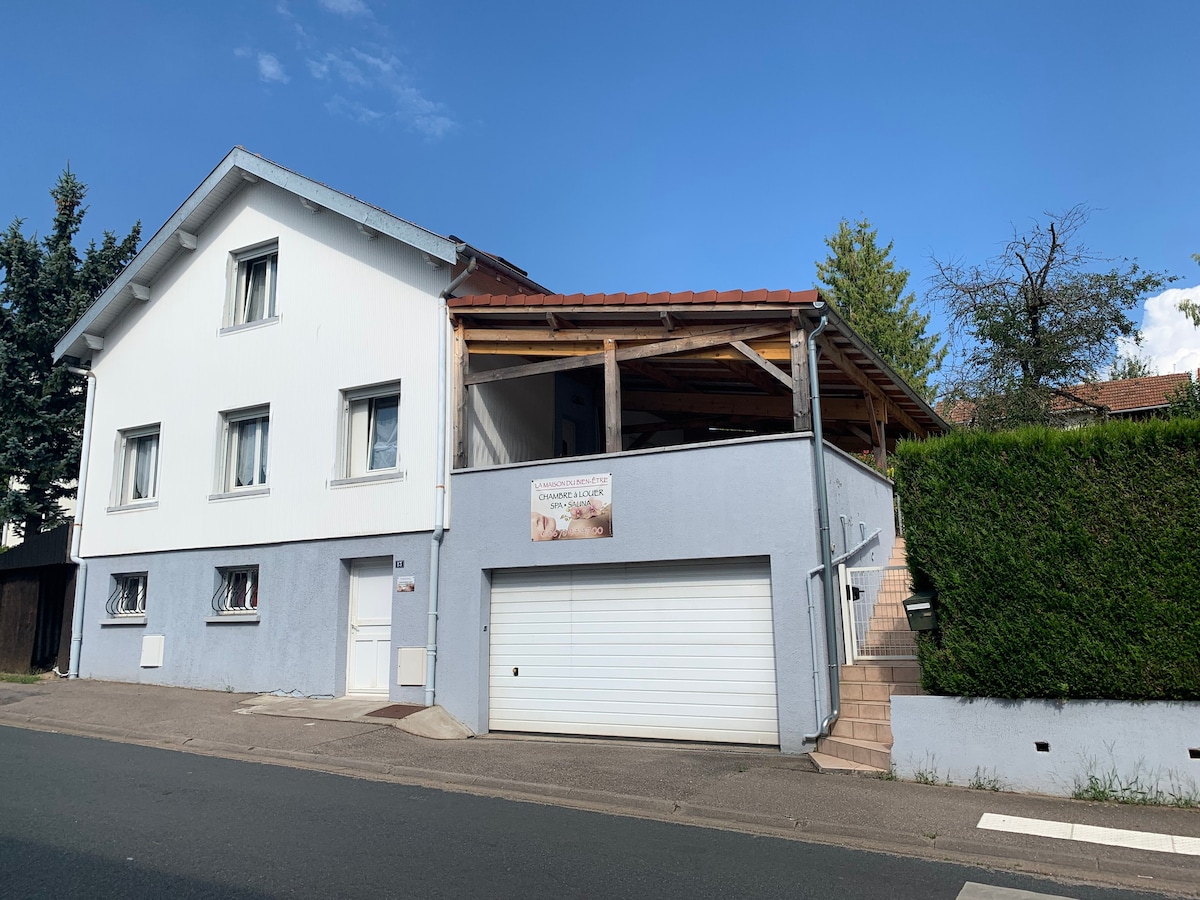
point(380, 77)
point(1170, 342)
point(271, 70)
point(346, 7)
point(352, 109)
point(336, 65)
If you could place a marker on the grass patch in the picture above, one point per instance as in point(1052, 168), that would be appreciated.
point(19, 679)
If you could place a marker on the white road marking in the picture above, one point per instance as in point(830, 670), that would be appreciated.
point(973, 891)
point(1092, 834)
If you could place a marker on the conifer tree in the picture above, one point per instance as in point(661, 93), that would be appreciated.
point(863, 284)
point(46, 287)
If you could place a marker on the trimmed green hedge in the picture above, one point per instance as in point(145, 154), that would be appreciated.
point(1067, 563)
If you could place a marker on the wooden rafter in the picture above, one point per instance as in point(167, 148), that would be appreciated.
point(624, 354)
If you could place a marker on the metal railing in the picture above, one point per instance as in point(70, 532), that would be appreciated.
point(238, 593)
point(129, 597)
point(874, 624)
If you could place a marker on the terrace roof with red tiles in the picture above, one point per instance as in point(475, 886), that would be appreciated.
point(665, 298)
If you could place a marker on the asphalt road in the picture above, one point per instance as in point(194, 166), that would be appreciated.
point(81, 817)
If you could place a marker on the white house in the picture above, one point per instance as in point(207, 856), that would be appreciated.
point(648, 495)
point(262, 440)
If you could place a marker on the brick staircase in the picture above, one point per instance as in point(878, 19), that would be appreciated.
point(861, 740)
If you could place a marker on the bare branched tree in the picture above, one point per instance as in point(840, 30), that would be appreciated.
point(1037, 319)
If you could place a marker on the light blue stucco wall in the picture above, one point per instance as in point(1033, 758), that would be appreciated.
point(1141, 744)
point(299, 644)
point(752, 498)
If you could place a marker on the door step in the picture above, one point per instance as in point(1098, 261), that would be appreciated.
point(835, 765)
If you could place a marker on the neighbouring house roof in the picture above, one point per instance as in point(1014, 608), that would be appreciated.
point(1127, 395)
point(597, 310)
point(1123, 397)
point(237, 170)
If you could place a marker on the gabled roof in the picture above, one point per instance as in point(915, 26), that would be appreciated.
point(1122, 397)
point(1125, 395)
point(238, 169)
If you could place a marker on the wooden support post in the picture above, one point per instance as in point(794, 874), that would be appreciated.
point(801, 389)
point(612, 398)
point(878, 438)
point(461, 396)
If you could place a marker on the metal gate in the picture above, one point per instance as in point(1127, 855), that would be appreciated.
point(873, 622)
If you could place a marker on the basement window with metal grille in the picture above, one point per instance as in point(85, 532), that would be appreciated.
point(128, 598)
point(237, 594)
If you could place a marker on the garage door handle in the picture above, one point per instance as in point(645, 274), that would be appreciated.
point(515, 672)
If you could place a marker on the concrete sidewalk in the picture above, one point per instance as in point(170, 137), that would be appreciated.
point(744, 789)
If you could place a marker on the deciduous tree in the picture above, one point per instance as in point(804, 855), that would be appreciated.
point(46, 287)
point(1038, 318)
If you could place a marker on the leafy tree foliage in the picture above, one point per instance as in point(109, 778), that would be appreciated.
point(1037, 319)
point(1191, 308)
point(1130, 366)
point(46, 287)
point(1184, 403)
point(863, 284)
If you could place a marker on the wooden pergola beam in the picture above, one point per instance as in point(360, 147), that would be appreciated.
point(641, 351)
point(729, 405)
point(851, 371)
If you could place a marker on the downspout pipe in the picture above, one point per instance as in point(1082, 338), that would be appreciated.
point(812, 631)
point(77, 525)
point(831, 647)
point(439, 490)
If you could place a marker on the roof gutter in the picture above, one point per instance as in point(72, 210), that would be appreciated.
point(439, 489)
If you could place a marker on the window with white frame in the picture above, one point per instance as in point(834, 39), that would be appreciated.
point(137, 478)
point(245, 443)
point(253, 297)
point(237, 593)
point(371, 430)
point(129, 595)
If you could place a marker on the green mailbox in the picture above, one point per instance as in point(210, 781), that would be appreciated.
point(921, 610)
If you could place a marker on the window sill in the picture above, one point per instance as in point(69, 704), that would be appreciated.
point(244, 492)
point(390, 475)
point(133, 507)
point(248, 326)
point(233, 619)
point(122, 620)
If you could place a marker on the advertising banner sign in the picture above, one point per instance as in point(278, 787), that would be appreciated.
point(573, 507)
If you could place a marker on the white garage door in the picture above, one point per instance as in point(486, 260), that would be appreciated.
point(680, 651)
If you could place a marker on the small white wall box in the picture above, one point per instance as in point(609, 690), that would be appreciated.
point(411, 667)
point(152, 650)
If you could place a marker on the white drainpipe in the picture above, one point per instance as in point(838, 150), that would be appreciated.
point(439, 490)
point(77, 527)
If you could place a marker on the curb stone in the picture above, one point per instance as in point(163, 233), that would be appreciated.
point(1085, 869)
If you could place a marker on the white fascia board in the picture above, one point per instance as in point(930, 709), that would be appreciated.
point(164, 243)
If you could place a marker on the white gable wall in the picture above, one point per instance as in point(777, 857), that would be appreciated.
point(352, 312)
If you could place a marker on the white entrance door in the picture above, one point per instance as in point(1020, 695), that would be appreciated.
point(681, 651)
point(369, 660)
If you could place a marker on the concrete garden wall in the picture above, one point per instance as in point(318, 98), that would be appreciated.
point(1107, 749)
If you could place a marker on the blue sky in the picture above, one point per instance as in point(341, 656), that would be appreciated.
point(637, 146)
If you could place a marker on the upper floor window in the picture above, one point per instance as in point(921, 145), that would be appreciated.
point(138, 466)
point(253, 297)
point(371, 430)
point(247, 432)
